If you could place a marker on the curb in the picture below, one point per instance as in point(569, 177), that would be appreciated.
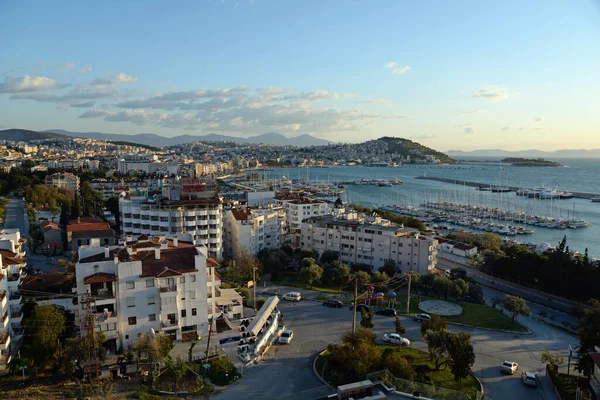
point(314, 366)
point(480, 385)
point(479, 327)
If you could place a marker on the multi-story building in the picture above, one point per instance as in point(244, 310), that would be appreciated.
point(370, 240)
point(187, 208)
point(168, 285)
point(253, 229)
point(297, 209)
point(12, 261)
point(64, 179)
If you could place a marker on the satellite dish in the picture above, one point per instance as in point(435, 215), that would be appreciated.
point(152, 333)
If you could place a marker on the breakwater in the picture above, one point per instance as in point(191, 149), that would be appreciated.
point(579, 195)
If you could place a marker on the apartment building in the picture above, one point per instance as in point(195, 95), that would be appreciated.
point(64, 179)
point(370, 240)
point(253, 229)
point(297, 209)
point(13, 262)
point(168, 285)
point(83, 230)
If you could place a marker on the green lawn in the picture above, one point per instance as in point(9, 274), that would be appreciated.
point(566, 385)
point(479, 315)
point(427, 374)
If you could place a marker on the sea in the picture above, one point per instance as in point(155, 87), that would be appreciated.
point(576, 175)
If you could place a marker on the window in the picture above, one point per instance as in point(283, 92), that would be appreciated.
point(182, 279)
point(131, 302)
point(183, 313)
point(192, 278)
point(132, 320)
point(149, 282)
point(151, 300)
point(152, 317)
point(193, 295)
point(194, 311)
point(130, 285)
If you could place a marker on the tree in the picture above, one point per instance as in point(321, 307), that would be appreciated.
point(475, 293)
point(400, 329)
point(242, 266)
point(340, 274)
point(490, 241)
point(310, 273)
point(77, 352)
point(389, 268)
point(458, 273)
point(329, 256)
point(440, 286)
point(356, 356)
point(338, 203)
point(399, 366)
point(48, 323)
point(380, 278)
point(514, 305)
point(362, 277)
point(458, 289)
point(157, 348)
point(112, 205)
point(462, 355)
point(427, 283)
point(76, 207)
point(366, 319)
point(588, 333)
point(438, 347)
point(552, 359)
point(245, 293)
point(436, 324)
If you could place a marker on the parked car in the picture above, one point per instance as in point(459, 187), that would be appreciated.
point(509, 367)
point(394, 338)
point(292, 296)
point(529, 378)
point(360, 307)
point(422, 317)
point(389, 312)
point(333, 303)
point(286, 337)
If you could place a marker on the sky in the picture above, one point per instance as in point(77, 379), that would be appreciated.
point(448, 74)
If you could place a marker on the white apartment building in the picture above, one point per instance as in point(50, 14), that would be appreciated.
point(200, 217)
point(253, 229)
point(64, 179)
point(12, 264)
point(169, 285)
point(370, 240)
point(297, 209)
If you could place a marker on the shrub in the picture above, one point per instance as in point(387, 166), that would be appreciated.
point(399, 366)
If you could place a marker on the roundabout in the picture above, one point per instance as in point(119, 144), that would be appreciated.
point(440, 307)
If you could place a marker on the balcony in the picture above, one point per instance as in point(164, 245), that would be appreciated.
point(16, 316)
point(17, 333)
point(166, 289)
point(4, 340)
point(103, 293)
point(213, 222)
point(168, 323)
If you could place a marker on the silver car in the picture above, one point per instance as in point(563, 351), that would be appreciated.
point(529, 378)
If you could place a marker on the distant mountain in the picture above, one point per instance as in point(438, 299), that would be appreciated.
point(24, 135)
point(573, 153)
point(151, 139)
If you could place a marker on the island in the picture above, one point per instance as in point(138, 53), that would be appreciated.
point(529, 162)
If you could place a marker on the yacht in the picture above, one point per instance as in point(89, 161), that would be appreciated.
point(595, 199)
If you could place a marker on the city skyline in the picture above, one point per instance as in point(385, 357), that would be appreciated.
point(461, 76)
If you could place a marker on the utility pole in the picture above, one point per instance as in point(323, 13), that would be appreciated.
point(354, 305)
point(90, 331)
point(209, 333)
point(408, 298)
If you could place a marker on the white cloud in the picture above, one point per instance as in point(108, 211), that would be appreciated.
point(469, 130)
point(470, 112)
point(94, 113)
point(539, 119)
point(396, 69)
point(66, 66)
point(85, 69)
point(115, 80)
point(507, 128)
point(72, 96)
point(21, 84)
point(492, 93)
point(423, 137)
point(378, 100)
point(84, 105)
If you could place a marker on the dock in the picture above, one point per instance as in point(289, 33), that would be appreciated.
point(579, 195)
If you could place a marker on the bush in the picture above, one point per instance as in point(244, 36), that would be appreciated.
point(259, 302)
point(246, 294)
point(222, 371)
point(399, 366)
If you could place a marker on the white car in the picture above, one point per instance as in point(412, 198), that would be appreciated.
point(286, 337)
point(509, 367)
point(394, 338)
point(529, 378)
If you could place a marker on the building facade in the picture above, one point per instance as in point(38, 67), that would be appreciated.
point(168, 285)
point(64, 179)
point(370, 240)
point(253, 229)
point(297, 209)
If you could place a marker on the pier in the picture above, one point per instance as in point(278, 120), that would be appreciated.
point(578, 195)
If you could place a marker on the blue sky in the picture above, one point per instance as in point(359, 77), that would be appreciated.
point(460, 74)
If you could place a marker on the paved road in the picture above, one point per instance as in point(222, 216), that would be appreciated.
point(289, 368)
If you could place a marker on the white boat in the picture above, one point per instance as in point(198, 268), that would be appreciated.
point(595, 199)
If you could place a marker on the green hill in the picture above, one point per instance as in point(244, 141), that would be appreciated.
point(24, 135)
point(416, 150)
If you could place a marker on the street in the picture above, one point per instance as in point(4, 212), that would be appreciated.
point(288, 368)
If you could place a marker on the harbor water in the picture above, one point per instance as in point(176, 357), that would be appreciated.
point(577, 175)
